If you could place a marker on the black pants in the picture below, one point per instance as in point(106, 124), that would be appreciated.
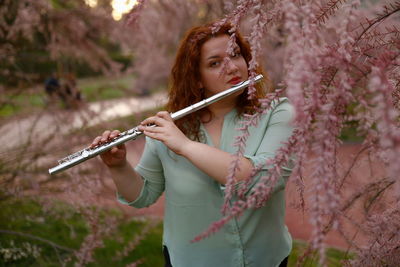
point(166, 257)
point(284, 263)
point(168, 261)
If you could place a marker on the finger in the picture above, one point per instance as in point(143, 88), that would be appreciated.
point(105, 136)
point(153, 135)
point(147, 121)
point(154, 120)
point(121, 146)
point(114, 150)
point(95, 142)
point(165, 115)
point(152, 129)
point(114, 133)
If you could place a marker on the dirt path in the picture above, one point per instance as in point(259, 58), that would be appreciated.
point(39, 127)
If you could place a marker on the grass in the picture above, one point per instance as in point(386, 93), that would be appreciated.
point(26, 101)
point(334, 256)
point(22, 102)
point(66, 227)
point(105, 88)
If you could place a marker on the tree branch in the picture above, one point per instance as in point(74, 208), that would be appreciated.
point(51, 243)
point(387, 12)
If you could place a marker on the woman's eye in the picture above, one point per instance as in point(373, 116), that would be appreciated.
point(214, 63)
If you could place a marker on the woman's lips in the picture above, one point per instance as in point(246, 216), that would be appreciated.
point(235, 80)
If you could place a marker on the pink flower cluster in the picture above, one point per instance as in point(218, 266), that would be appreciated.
point(340, 66)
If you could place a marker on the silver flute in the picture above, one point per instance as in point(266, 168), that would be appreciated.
point(131, 134)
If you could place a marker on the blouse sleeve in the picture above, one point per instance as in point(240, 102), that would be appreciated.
point(151, 170)
point(278, 129)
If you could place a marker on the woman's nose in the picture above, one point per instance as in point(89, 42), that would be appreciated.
point(231, 66)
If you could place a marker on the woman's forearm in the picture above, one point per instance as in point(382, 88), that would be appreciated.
point(215, 162)
point(128, 182)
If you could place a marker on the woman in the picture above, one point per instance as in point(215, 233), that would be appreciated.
point(188, 159)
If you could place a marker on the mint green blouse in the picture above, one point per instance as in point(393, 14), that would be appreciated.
point(193, 200)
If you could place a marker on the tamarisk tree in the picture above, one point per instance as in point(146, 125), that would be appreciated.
point(59, 30)
point(336, 60)
point(340, 66)
point(63, 29)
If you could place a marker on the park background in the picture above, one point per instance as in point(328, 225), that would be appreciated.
point(112, 64)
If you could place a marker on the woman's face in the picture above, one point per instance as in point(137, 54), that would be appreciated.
point(216, 75)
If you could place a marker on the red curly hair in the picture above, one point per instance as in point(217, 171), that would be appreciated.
point(185, 77)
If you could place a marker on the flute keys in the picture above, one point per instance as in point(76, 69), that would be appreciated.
point(85, 153)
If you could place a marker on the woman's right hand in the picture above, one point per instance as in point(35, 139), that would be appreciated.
point(116, 156)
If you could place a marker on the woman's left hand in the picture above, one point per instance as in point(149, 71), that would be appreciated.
point(165, 131)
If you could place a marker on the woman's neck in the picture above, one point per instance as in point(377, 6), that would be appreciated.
point(220, 109)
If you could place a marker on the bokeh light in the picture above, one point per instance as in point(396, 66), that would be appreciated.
point(91, 3)
point(121, 7)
